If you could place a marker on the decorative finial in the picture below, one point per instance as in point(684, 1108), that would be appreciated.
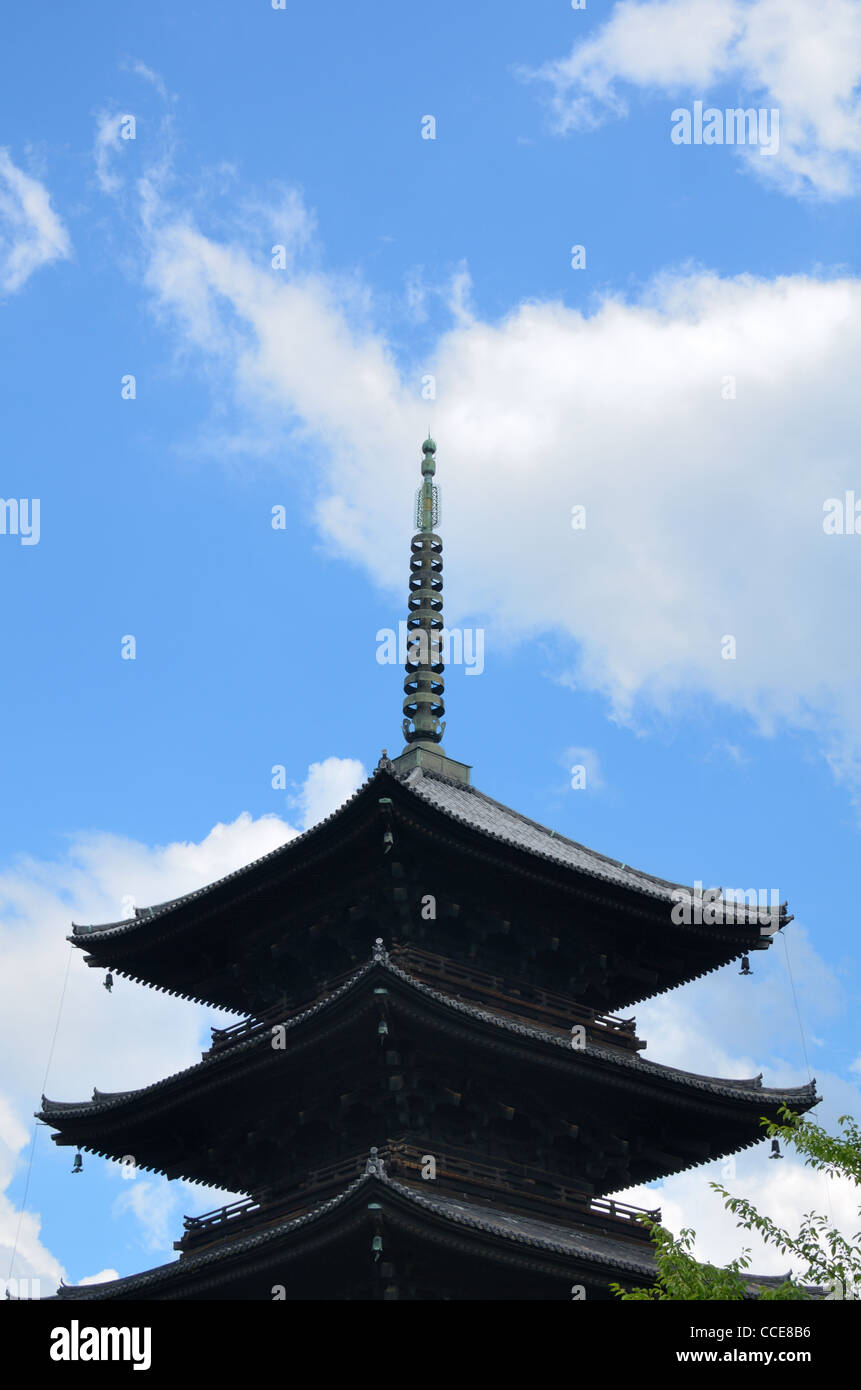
point(427, 497)
point(424, 684)
point(374, 1164)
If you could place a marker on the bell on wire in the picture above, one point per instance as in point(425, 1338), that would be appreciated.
point(79, 1163)
point(745, 966)
point(108, 982)
point(775, 1149)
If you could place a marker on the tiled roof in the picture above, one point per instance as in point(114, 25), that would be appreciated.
point(159, 910)
point(465, 805)
point(536, 1231)
point(472, 807)
point(744, 1089)
point(528, 1231)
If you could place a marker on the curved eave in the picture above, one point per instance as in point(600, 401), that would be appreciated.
point(144, 917)
point(555, 1046)
point(498, 1228)
point(432, 801)
point(736, 950)
point(474, 810)
point(508, 827)
point(451, 800)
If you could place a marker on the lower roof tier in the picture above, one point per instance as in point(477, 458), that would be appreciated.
point(386, 1053)
point(511, 1187)
point(383, 1238)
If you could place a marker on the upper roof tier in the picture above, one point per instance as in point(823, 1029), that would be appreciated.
point(505, 890)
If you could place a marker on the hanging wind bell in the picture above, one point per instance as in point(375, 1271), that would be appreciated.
point(79, 1163)
point(775, 1149)
point(745, 966)
point(108, 982)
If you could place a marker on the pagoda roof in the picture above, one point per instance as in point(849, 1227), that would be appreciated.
point(461, 803)
point(505, 1230)
point(617, 1066)
point(154, 945)
point(475, 809)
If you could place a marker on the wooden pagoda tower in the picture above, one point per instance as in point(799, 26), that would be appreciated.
point(431, 1092)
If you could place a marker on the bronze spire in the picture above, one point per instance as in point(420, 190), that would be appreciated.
point(424, 685)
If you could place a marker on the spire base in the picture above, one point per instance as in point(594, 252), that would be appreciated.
point(430, 758)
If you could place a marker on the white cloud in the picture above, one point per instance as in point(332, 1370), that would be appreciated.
point(328, 785)
point(731, 1025)
point(156, 1205)
point(728, 1026)
point(100, 1278)
point(116, 131)
point(802, 57)
point(782, 1190)
point(703, 424)
point(31, 233)
point(20, 1231)
point(416, 294)
point(106, 147)
point(154, 79)
point(725, 751)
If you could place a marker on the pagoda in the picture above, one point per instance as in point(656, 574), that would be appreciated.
point(431, 1092)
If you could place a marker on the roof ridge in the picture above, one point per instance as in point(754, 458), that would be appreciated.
point(205, 1257)
point(605, 1053)
point(108, 1098)
point(82, 929)
point(546, 830)
point(454, 1208)
point(464, 1216)
point(503, 825)
point(700, 1081)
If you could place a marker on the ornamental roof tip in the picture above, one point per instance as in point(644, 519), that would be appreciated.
point(374, 1164)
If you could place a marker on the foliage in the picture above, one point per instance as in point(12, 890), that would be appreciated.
point(681, 1277)
point(828, 1259)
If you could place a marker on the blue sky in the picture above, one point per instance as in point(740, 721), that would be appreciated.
point(258, 387)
